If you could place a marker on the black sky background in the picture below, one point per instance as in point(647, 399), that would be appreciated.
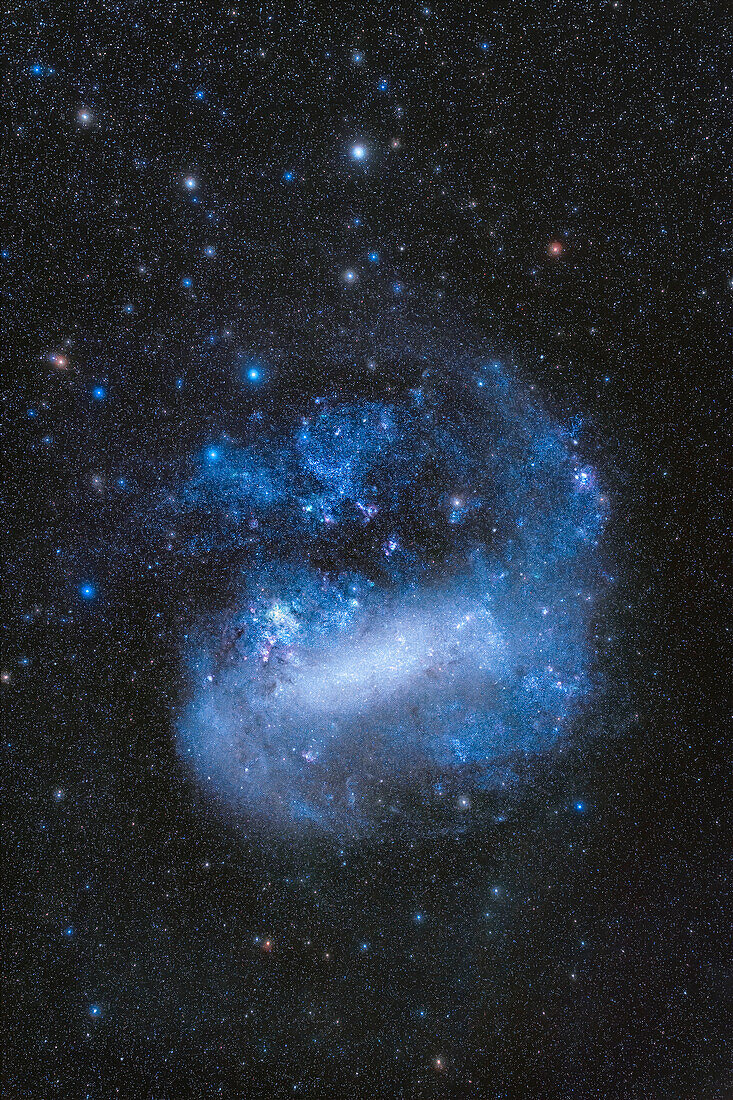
point(606, 127)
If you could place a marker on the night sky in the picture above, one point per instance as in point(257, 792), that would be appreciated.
point(366, 476)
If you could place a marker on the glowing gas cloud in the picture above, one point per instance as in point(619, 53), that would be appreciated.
point(413, 615)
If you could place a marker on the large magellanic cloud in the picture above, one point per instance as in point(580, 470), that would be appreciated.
point(412, 620)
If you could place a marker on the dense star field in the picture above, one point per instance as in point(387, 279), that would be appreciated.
point(367, 467)
point(415, 604)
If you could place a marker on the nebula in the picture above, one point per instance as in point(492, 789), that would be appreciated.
point(411, 627)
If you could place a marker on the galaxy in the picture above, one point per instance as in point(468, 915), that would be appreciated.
point(365, 647)
point(424, 621)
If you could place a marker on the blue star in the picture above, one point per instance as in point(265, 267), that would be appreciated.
point(200, 93)
point(358, 152)
point(374, 257)
point(186, 282)
point(95, 1010)
point(99, 393)
point(288, 176)
point(254, 374)
point(383, 85)
point(87, 591)
point(580, 806)
point(212, 454)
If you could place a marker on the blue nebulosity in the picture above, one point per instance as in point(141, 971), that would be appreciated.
point(412, 622)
